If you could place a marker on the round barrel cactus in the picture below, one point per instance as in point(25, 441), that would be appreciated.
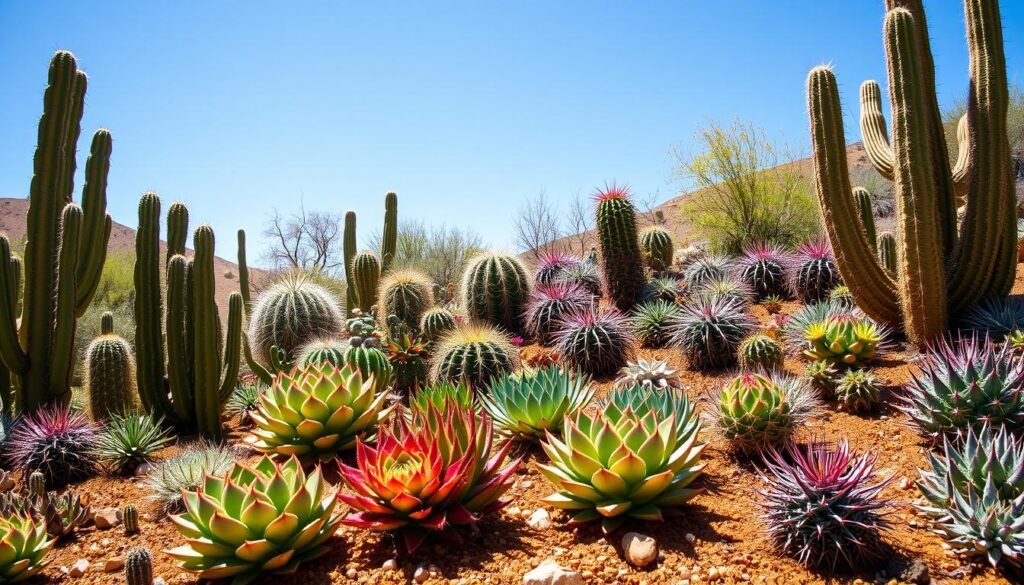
point(290, 314)
point(756, 410)
point(813, 273)
point(371, 362)
point(763, 267)
point(549, 303)
point(406, 294)
point(436, 322)
point(598, 341)
point(709, 331)
point(760, 352)
point(318, 351)
point(552, 265)
point(110, 373)
point(475, 353)
point(658, 248)
point(495, 289)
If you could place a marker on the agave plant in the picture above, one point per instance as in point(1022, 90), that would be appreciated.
point(983, 524)
point(665, 288)
point(858, 391)
point(726, 287)
point(963, 384)
point(549, 304)
point(617, 463)
point(439, 394)
point(812, 271)
point(24, 545)
point(763, 268)
point(63, 513)
point(822, 505)
point(665, 404)
point(597, 340)
point(706, 268)
point(427, 475)
point(709, 331)
point(55, 441)
point(651, 373)
point(254, 519)
point(526, 406)
point(755, 410)
point(170, 478)
point(127, 441)
point(317, 411)
point(994, 317)
point(244, 400)
point(553, 264)
point(651, 320)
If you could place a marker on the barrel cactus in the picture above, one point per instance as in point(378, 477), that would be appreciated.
point(372, 363)
point(110, 373)
point(760, 352)
point(290, 314)
point(812, 271)
point(495, 289)
point(621, 257)
point(755, 410)
point(597, 340)
point(763, 268)
point(366, 277)
point(552, 265)
point(706, 268)
point(858, 391)
point(138, 567)
point(709, 331)
point(475, 353)
point(657, 247)
point(585, 274)
point(436, 322)
point(406, 294)
point(323, 350)
point(549, 304)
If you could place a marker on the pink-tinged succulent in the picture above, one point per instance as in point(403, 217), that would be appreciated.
point(597, 340)
point(56, 441)
point(428, 474)
point(552, 264)
point(763, 267)
point(813, 272)
point(549, 303)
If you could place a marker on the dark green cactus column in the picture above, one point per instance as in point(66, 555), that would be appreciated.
point(149, 339)
point(389, 239)
point(620, 250)
point(207, 331)
point(349, 253)
point(366, 270)
point(257, 368)
point(138, 567)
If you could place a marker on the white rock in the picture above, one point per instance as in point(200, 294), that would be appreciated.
point(159, 581)
point(421, 574)
point(142, 470)
point(79, 568)
point(690, 537)
point(640, 550)
point(540, 519)
point(390, 565)
point(351, 573)
point(551, 573)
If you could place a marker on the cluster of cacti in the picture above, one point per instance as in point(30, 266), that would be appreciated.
point(55, 441)
point(707, 267)
point(170, 478)
point(597, 340)
point(651, 322)
point(528, 405)
point(760, 352)
point(66, 246)
point(812, 272)
point(621, 258)
point(202, 362)
point(366, 272)
point(657, 247)
point(138, 567)
point(317, 411)
point(709, 331)
point(995, 317)
point(436, 322)
point(858, 391)
point(977, 252)
point(822, 505)
point(763, 268)
point(665, 287)
point(653, 373)
point(552, 265)
point(61, 513)
point(110, 373)
point(964, 384)
point(261, 518)
point(617, 462)
point(474, 353)
point(127, 441)
point(406, 294)
point(549, 304)
point(755, 410)
point(495, 289)
point(429, 474)
point(362, 272)
point(291, 313)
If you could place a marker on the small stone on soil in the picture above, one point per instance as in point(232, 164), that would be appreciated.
point(79, 568)
point(640, 550)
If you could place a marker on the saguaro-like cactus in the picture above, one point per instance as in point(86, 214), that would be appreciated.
point(495, 289)
point(65, 250)
point(620, 250)
point(202, 363)
point(388, 248)
point(348, 245)
point(942, 267)
point(110, 373)
point(389, 239)
point(366, 271)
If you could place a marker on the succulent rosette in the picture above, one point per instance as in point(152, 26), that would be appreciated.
point(316, 411)
point(24, 545)
point(617, 463)
point(427, 475)
point(843, 338)
point(262, 518)
point(755, 410)
point(527, 405)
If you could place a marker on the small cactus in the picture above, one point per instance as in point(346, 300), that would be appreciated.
point(620, 249)
point(858, 391)
point(138, 567)
point(760, 352)
point(887, 251)
point(130, 518)
point(37, 484)
point(495, 289)
point(406, 294)
point(366, 277)
point(436, 322)
point(110, 373)
point(657, 247)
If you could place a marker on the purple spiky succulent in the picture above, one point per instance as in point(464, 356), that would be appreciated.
point(598, 341)
point(708, 331)
point(552, 264)
point(549, 303)
point(812, 271)
point(763, 267)
point(56, 441)
point(822, 504)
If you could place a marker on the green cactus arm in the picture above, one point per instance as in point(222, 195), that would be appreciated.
point(867, 213)
point(207, 358)
point(874, 130)
point(179, 378)
point(107, 323)
point(873, 288)
point(349, 253)
point(177, 229)
point(64, 319)
point(97, 222)
point(149, 342)
point(72, 131)
point(262, 373)
point(13, 357)
point(232, 347)
point(990, 198)
point(389, 241)
point(243, 274)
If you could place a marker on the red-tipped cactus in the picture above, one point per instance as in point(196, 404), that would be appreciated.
point(598, 341)
point(552, 265)
point(812, 271)
point(56, 441)
point(620, 248)
point(549, 304)
point(763, 267)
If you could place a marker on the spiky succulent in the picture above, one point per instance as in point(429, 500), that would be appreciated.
point(763, 267)
point(726, 287)
point(845, 339)
point(407, 353)
point(755, 410)
point(822, 505)
point(475, 353)
point(317, 411)
point(64, 513)
point(597, 340)
point(651, 321)
point(965, 383)
point(185, 471)
point(549, 304)
point(665, 287)
point(1014, 340)
point(842, 296)
point(617, 463)
point(772, 304)
point(527, 405)
point(125, 442)
point(244, 400)
point(584, 274)
point(24, 545)
point(436, 322)
point(55, 441)
point(858, 391)
point(760, 352)
point(439, 394)
point(664, 404)
point(261, 518)
point(653, 373)
point(708, 331)
point(706, 268)
point(983, 524)
point(552, 265)
point(822, 376)
point(427, 475)
point(812, 272)
point(995, 317)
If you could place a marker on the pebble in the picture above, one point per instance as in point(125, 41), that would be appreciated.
point(904, 483)
point(351, 573)
point(684, 573)
point(640, 549)
point(390, 565)
point(106, 518)
point(421, 574)
point(550, 572)
point(142, 470)
point(526, 484)
point(540, 519)
point(690, 537)
point(114, 564)
point(79, 568)
point(159, 581)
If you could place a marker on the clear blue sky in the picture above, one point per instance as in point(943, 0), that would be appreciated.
point(464, 108)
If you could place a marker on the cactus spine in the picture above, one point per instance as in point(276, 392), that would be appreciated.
point(349, 251)
point(110, 373)
point(867, 213)
point(66, 245)
point(138, 567)
point(620, 250)
point(130, 517)
point(389, 239)
point(657, 247)
point(495, 289)
point(979, 254)
point(366, 271)
point(202, 363)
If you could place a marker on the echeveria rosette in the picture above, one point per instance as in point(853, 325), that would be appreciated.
point(844, 339)
point(615, 464)
point(24, 544)
point(665, 403)
point(423, 477)
point(527, 405)
point(262, 518)
point(317, 411)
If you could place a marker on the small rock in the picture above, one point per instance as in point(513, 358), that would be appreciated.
point(421, 574)
point(106, 518)
point(904, 483)
point(640, 549)
point(390, 565)
point(114, 564)
point(684, 573)
point(526, 484)
point(142, 470)
point(690, 537)
point(916, 572)
point(551, 573)
point(513, 511)
point(159, 581)
point(540, 520)
point(352, 573)
point(713, 574)
point(79, 568)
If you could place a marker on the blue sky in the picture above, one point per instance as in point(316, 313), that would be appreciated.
point(465, 109)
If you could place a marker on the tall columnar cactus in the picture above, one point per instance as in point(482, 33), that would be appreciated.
point(658, 248)
point(867, 213)
point(110, 373)
point(495, 289)
point(388, 248)
point(348, 245)
point(389, 239)
point(620, 250)
point(366, 271)
point(887, 251)
point(65, 250)
point(978, 254)
point(201, 362)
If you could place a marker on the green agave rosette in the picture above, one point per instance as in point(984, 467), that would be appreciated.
point(528, 405)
